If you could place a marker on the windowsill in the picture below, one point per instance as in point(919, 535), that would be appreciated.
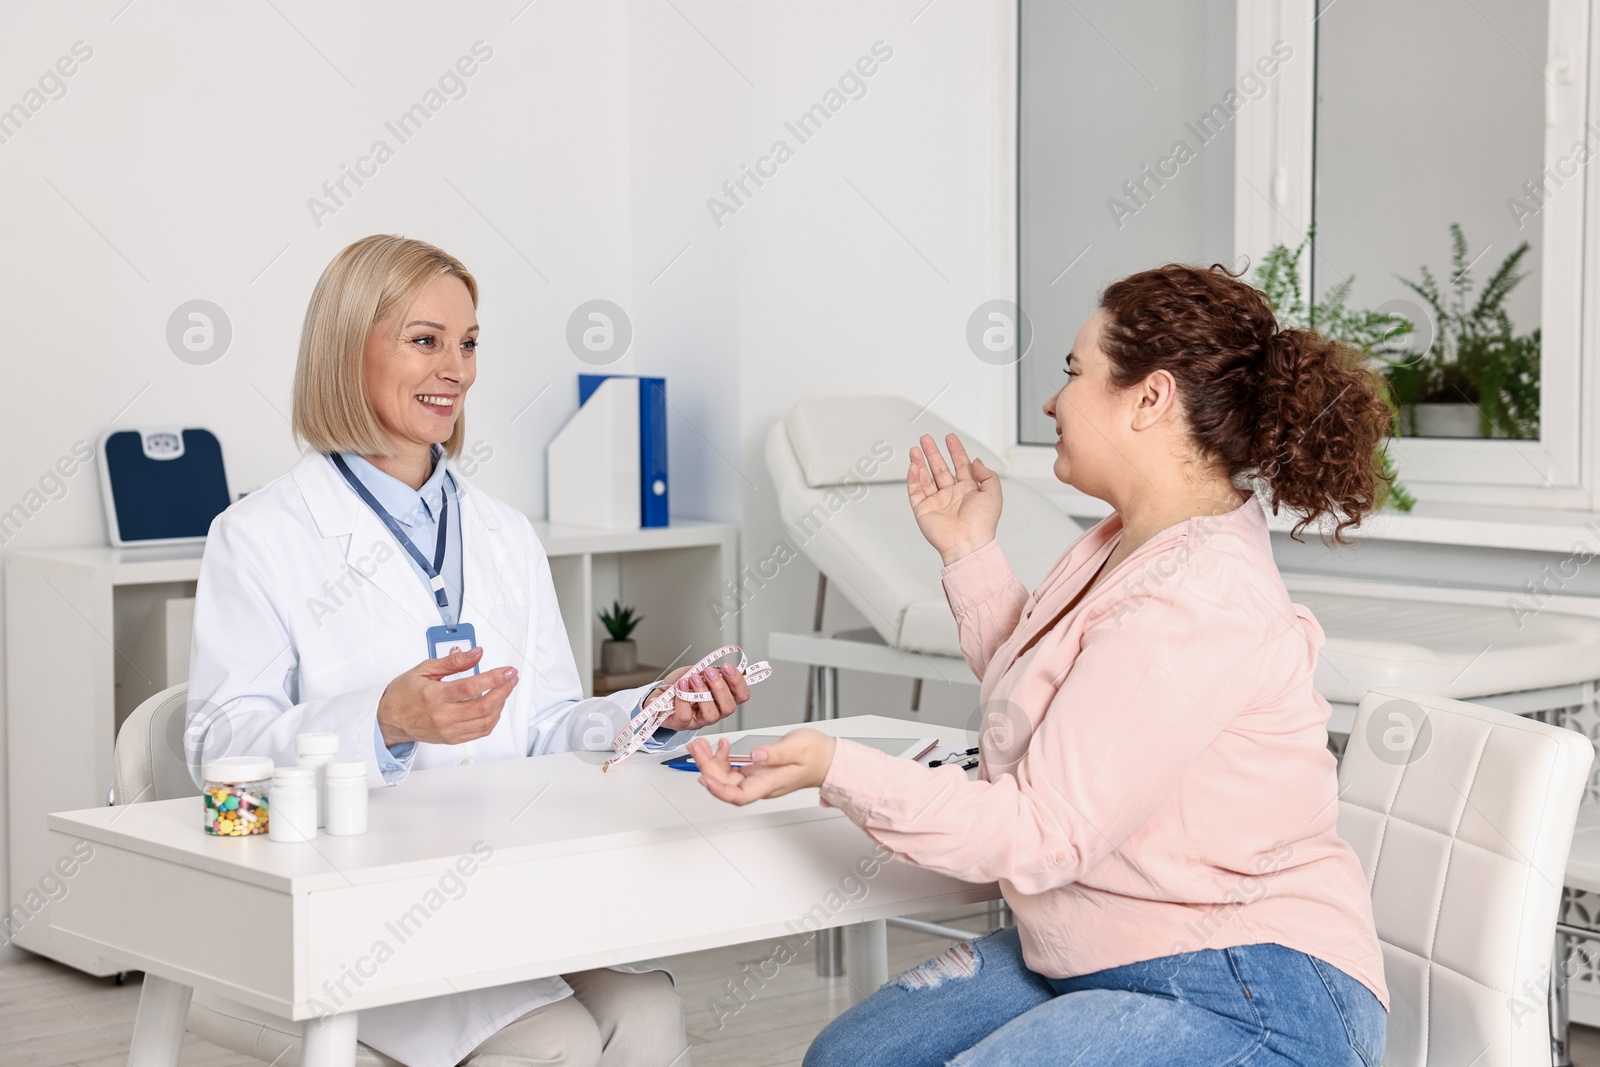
point(1472, 525)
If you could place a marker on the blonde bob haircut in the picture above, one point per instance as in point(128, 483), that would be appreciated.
point(365, 283)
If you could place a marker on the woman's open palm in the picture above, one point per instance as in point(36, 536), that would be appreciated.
point(958, 513)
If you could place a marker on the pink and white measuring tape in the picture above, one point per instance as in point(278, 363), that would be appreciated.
point(643, 726)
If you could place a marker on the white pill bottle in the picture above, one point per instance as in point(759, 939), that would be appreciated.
point(346, 790)
point(294, 805)
point(315, 751)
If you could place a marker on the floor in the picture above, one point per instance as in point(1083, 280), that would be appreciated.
point(54, 1016)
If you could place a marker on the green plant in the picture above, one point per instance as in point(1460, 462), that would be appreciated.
point(1477, 356)
point(619, 621)
point(1380, 335)
point(1396, 494)
point(1376, 333)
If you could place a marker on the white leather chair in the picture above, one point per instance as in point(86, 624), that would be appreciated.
point(149, 760)
point(1471, 645)
point(150, 765)
point(1462, 817)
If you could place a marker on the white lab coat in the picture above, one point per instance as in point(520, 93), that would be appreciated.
point(306, 609)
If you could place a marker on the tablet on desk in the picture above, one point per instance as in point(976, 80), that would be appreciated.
point(740, 749)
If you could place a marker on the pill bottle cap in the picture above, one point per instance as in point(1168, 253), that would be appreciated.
point(238, 769)
point(294, 776)
point(345, 768)
point(316, 744)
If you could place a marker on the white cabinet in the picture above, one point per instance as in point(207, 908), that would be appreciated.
point(75, 667)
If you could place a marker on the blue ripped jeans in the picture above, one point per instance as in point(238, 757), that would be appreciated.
point(978, 1003)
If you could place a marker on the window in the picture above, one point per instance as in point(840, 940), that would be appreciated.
point(1384, 124)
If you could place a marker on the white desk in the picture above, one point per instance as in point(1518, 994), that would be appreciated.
point(74, 622)
point(574, 852)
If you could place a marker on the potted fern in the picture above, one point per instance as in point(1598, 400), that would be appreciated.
point(1480, 378)
point(1385, 337)
point(619, 655)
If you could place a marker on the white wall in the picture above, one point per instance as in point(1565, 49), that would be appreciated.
point(184, 154)
point(860, 262)
point(1094, 119)
point(680, 118)
point(576, 166)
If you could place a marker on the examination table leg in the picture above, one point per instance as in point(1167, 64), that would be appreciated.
point(831, 961)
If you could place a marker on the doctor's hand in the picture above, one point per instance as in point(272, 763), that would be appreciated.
point(420, 706)
point(726, 685)
point(800, 761)
point(958, 513)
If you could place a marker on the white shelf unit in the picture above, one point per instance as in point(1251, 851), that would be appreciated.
point(74, 622)
point(79, 658)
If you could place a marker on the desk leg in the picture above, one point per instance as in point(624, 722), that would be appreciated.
point(329, 1041)
point(866, 954)
point(159, 1027)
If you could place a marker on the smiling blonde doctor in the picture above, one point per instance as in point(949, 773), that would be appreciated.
point(327, 599)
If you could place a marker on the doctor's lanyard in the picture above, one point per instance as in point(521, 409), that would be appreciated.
point(435, 570)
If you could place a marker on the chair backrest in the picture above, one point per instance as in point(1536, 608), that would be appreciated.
point(150, 750)
point(839, 465)
point(1462, 817)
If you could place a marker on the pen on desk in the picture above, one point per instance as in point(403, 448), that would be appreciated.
point(959, 755)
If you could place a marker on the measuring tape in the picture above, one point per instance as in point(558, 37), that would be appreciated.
point(632, 737)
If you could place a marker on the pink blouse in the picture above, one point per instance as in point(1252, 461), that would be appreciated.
point(1155, 777)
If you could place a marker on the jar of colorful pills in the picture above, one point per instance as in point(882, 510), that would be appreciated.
point(236, 795)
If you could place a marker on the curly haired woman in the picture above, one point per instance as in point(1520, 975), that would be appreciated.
point(1159, 807)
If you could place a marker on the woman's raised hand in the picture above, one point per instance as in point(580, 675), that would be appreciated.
point(957, 513)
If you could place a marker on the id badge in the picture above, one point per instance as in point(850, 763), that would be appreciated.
point(443, 640)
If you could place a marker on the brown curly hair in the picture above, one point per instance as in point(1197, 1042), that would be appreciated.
point(1291, 408)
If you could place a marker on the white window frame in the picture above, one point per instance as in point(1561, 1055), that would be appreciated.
point(1273, 205)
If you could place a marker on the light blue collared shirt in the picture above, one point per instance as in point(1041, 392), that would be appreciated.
point(417, 510)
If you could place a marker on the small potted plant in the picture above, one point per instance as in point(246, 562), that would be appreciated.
point(1480, 378)
point(619, 655)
